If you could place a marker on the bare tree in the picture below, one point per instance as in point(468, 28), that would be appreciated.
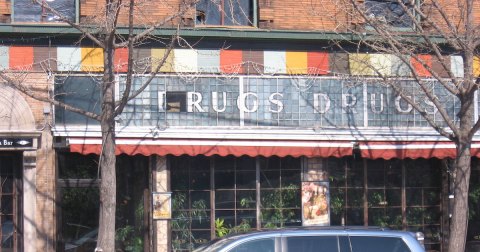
point(417, 33)
point(102, 30)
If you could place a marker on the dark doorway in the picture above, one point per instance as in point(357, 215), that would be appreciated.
point(10, 201)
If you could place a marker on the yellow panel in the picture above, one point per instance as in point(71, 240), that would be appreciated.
point(360, 64)
point(92, 59)
point(476, 66)
point(297, 62)
point(157, 56)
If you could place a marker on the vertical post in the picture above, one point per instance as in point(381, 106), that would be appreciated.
point(257, 185)
point(161, 183)
point(29, 200)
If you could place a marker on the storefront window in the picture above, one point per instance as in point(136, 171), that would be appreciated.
point(215, 196)
point(346, 191)
point(79, 207)
point(370, 192)
point(279, 193)
point(474, 203)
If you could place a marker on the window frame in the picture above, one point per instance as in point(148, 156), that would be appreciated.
point(253, 21)
point(12, 11)
point(411, 27)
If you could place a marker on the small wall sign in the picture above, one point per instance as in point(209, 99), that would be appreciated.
point(15, 142)
point(162, 205)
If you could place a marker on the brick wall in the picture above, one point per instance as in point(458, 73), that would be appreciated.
point(319, 15)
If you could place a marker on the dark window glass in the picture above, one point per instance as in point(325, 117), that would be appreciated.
point(390, 12)
point(378, 244)
point(76, 166)
point(81, 92)
point(313, 243)
point(176, 101)
point(224, 12)
point(263, 245)
point(28, 11)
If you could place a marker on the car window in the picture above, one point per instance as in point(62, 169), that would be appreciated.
point(312, 243)
point(378, 244)
point(261, 245)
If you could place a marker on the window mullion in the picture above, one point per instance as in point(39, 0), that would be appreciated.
point(257, 188)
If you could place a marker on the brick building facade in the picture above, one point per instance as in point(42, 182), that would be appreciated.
point(270, 99)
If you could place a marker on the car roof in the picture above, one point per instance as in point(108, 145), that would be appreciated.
point(314, 230)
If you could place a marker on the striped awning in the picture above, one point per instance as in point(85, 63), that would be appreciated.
point(209, 147)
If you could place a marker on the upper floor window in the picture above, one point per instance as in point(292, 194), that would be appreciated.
point(391, 12)
point(30, 11)
point(225, 12)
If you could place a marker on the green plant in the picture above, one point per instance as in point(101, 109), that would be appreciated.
point(277, 206)
point(243, 227)
point(130, 237)
point(220, 228)
point(183, 238)
point(474, 201)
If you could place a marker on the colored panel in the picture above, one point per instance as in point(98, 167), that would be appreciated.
point(141, 60)
point(441, 68)
point(4, 57)
point(92, 59)
point(318, 63)
point(253, 62)
point(185, 60)
point(476, 66)
point(457, 66)
point(208, 61)
point(157, 57)
point(399, 67)
point(69, 58)
point(339, 63)
point(360, 64)
point(419, 65)
point(120, 60)
point(381, 64)
point(21, 57)
point(231, 61)
point(297, 62)
point(44, 59)
point(275, 62)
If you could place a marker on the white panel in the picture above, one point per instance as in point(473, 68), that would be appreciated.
point(382, 63)
point(185, 60)
point(275, 62)
point(457, 66)
point(69, 58)
point(4, 57)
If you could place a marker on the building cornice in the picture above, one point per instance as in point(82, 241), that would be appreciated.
point(32, 30)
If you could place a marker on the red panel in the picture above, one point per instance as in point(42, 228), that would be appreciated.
point(318, 63)
point(195, 148)
point(419, 67)
point(120, 59)
point(231, 61)
point(21, 57)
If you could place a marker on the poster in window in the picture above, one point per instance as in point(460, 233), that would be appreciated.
point(162, 206)
point(315, 203)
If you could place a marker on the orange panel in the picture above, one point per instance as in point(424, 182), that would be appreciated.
point(120, 59)
point(21, 57)
point(317, 63)
point(231, 61)
point(420, 69)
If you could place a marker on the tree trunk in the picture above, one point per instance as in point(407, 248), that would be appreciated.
point(459, 221)
point(108, 184)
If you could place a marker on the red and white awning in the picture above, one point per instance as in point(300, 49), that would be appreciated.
point(412, 149)
point(209, 147)
point(267, 148)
